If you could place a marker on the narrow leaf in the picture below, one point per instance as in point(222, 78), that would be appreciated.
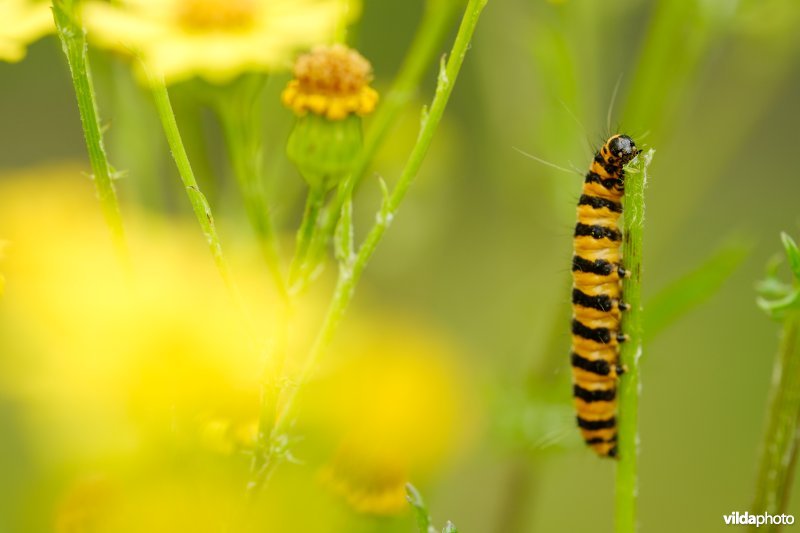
point(423, 518)
point(343, 236)
point(689, 291)
point(793, 253)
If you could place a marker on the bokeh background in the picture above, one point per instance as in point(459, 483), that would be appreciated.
point(476, 264)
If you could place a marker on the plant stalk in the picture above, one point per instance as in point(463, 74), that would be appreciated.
point(200, 206)
point(240, 115)
point(350, 271)
point(631, 351)
point(780, 445)
point(424, 48)
point(306, 235)
point(73, 42)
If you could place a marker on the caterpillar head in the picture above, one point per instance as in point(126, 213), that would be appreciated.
point(619, 150)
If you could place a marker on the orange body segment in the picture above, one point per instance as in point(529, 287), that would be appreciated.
point(596, 295)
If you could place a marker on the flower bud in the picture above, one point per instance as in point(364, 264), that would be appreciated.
point(329, 94)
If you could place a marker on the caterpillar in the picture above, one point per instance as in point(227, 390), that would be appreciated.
point(597, 305)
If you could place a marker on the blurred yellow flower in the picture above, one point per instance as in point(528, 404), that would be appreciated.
point(125, 371)
point(21, 23)
point(396, 408)
point(149, 382)
point(215, 39)
point(2, 279)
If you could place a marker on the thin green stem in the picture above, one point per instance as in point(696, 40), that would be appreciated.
point(782, 431)
point(350, 273)
point(73, 42)
point(351, 270)
point(240, 115)
point(299, 272)
point(200, 206)
point(651, 82)
point(780, 445)
point(628, 436)
point(424, 48)
point(241, 120)
point(188, 104)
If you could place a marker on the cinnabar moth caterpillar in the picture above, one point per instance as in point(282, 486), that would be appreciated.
point(597, 274)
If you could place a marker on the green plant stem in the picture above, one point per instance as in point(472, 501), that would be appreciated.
point(188, 103)
point(628, 392)
point(350, 271)
point(681, 34)
point(424, 48)
point(241, 120)
point(780, 444)
point(239, 111)
point(73, 42)
point(200, 206)
point(306, 235)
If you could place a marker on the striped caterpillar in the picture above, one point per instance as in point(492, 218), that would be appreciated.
point(597, 274)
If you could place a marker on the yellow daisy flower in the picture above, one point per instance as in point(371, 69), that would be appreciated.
point(214, 39)
point(331, 81)
point(21, 23)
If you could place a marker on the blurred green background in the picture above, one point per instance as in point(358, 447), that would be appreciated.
point(481, 248)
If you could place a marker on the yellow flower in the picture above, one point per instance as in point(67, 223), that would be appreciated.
point(394, 409)
point(127, 370)
point(2, 279)
point(21, 23)
point(331, 81)
point(215, 39)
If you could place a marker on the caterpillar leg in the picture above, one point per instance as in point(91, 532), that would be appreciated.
point(622, 337)
point(616, 370)
point(622, 306)
point(622, 273)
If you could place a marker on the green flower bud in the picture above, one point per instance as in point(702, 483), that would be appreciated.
point(324, 150)
point(329, 94)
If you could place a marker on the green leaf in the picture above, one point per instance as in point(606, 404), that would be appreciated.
point(776, 297)
point(343, 236)
point(777, 308)
point(449, 527)
point(385, 194)
point(423, 518)
point(694, 288)
point(772, 287)
point(793, 253)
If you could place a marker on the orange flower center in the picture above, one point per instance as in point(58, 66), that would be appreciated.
point(331, 81)
point(216, 15)
point(335, 70)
